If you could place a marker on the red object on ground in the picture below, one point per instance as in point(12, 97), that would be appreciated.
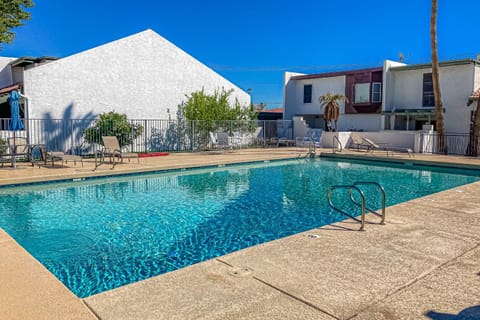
point(152, 154)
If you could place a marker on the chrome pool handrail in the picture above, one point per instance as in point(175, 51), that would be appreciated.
point(382, 190)
point(362, 205)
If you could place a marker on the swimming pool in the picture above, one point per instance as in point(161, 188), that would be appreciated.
point(98, 234)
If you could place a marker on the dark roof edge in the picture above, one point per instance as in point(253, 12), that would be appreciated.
point(22, 61)
point(429, 65)
point(335, 74)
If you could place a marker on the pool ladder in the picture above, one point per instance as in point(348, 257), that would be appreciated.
point(361, 204)
point(336, 144)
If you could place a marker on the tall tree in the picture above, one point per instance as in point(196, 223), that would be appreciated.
point(440, 125)
point(216, 112)
point(12, 15)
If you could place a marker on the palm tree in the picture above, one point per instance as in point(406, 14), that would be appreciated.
point(332, 109)
point(440, 126)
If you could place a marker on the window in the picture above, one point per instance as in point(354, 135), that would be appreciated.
point(377, 92)
point(307, 93)
point(428, 97)
point(361, 93)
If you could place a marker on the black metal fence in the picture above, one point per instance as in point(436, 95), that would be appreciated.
point(68, 135)
point(453, 144)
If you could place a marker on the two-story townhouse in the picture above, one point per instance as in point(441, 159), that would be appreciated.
point(396, 96)
point(409, 100)
point(362, 88)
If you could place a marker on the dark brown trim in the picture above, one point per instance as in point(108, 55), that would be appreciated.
point(335, 74)
point(10, 88)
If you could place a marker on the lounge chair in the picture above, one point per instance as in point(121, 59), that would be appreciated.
point(111, 148)
point(53, 156)
point(359, 142)
point(372, 146)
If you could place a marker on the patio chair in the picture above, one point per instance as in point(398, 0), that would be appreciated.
point(21, 146)
point(312, 138)
point(220, 140)
point(3, 151)
point(111, 148)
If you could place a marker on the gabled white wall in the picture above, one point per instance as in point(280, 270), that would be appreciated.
point(142, 76)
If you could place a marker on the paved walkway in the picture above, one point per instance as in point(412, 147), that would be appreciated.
point(423, 264)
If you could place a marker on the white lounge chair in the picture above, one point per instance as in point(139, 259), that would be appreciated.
point(220, 140)
point(372, 146)
point(359, 142)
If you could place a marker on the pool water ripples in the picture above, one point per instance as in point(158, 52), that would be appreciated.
point(101, 234)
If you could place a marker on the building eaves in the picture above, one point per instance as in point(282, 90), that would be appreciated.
point(335, 74)
point(429, 65)
point(27, 61)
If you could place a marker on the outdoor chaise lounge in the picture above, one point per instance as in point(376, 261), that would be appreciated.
point(111, 148)
point(359, 142)
point(53, 156)
point(372, 146)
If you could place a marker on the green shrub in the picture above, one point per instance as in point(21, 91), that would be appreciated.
point(3, 146)
point(113, 124)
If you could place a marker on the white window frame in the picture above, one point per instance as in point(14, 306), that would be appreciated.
point(379, 92)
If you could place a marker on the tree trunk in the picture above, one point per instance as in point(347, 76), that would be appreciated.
point(440, 126)
point(476, 131)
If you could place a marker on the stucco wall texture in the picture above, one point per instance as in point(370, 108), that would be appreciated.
point(456, 84)
point(142, 76)
point(5, 74)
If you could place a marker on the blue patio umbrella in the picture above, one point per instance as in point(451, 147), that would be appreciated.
point(15, 121)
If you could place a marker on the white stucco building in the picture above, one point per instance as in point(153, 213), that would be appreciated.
point(143, 76)
point(396, 96)
point(409, 101)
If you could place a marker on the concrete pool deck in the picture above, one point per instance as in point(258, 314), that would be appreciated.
point(423, 264)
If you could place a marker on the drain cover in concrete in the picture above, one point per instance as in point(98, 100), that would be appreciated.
point(241, 272)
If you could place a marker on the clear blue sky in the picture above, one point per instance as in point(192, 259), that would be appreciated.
point(252, 42)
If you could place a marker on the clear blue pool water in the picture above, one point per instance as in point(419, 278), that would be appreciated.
point(99, 234)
